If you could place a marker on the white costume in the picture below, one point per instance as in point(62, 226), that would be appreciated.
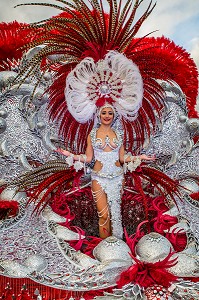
point(110, 178)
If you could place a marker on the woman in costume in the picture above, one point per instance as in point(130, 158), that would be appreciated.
point(105, 145)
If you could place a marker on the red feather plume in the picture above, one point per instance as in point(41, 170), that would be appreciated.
point(86, 30)
point(43, 193)
point(147, 274)
point(8, 208)
point(161, 58)
point(156, 178)
point(13, 36)
point(195, 196)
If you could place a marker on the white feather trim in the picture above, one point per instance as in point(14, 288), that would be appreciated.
point(115, 76)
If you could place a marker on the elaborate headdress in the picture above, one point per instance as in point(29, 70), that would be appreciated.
point(96, 58)
point(115, 79)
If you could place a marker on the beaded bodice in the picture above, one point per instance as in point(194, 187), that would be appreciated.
point(108, 159)
point(114, 143)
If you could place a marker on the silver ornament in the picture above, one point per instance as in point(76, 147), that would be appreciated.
point(3, 113)
point(6, 78)
point(39, 98)
point(3, 125)
point(104, 89)
point(183, 119)
point(112, 248)
point(41, 125)
point(47, 76)
point(36, 262)
point(184, 143)
point(153, 247)
point(192, 125)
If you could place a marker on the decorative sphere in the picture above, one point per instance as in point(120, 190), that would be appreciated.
point(157, 292)
point(183, 119)
point(3, 125)
point(3, 113)
point(184, 143)
point(112, 248)
point(27, 80)
point(41, 125)
point(153, 247)
point(6, 78)
point(39, 98)
point(187, 265)
point(192, 125)
point(47, 76)
point(104, 88)
point(36, 262)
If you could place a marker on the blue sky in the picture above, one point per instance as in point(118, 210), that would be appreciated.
point(187, 34)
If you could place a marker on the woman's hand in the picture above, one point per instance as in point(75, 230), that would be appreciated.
point(146, 157)
point(63, 152)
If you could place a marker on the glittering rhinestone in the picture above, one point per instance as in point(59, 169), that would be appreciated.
point(104, 89)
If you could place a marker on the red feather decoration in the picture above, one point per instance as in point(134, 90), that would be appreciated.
point(8, 208)
point(156, 178)
point(159, 204)
point(161, 58)
point(147, 274)
point(134, 238)
point(13, 36)
point(86, 30)
point(164, 222)
point(43, 193)
point(195, 196)
point(178, 239)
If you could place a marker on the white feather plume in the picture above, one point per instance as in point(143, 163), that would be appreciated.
point(117, 73)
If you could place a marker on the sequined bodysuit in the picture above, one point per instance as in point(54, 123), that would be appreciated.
point(110, 177)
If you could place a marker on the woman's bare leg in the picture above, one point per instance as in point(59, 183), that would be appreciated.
point(100, 199)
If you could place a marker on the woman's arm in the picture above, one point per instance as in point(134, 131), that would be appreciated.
point(124, 158)
point(89, 150)
point(85, 158)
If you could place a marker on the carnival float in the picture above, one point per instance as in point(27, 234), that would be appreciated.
point(55, 76)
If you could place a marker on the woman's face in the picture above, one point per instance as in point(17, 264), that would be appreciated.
point(107, 116)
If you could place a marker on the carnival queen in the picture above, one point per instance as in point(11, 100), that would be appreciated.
point(105, 147)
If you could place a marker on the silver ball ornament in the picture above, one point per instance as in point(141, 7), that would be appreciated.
point(153, 247)
point(184, 143)
point(47, 76)
point(3, 113)
point(3, 125)
point(41, 125)
point(112, 248)
point(39, 98)
point(192, 125)
point(183, 119)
